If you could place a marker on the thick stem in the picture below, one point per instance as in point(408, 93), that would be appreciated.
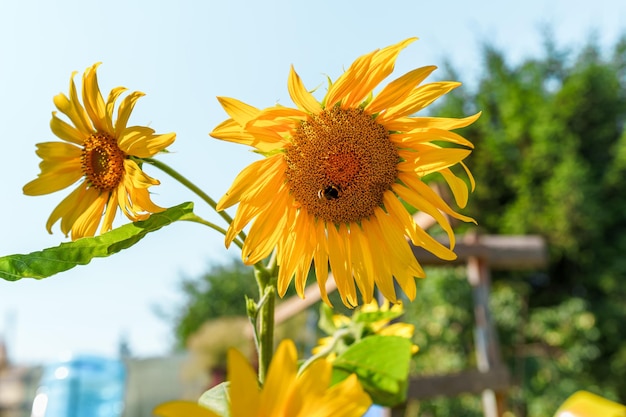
point(265, 330)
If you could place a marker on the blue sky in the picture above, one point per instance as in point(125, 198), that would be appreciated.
point(182, 55)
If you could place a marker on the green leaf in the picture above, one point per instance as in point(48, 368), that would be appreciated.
point(217, 399)
point(382, 366)
point(326, 323)
point(50, 261)
point(374, 316)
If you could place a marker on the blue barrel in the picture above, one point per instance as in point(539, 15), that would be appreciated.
point(84, 386)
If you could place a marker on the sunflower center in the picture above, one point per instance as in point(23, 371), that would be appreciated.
point(340, 164)
point(102, 162)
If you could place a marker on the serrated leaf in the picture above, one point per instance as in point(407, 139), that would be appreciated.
point(50, 261)
point(382, 365)
point(217, 399)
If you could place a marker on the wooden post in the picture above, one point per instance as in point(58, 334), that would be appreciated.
point(485, 336)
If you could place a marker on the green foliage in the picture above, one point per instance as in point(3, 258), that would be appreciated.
point(381, 364)
point(50, 261)
point(550, 159)
point(443, 317)
point(219, 292)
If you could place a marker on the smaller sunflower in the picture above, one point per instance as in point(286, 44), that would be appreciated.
point(285, 392)
point(368, 320)
point(105, 154)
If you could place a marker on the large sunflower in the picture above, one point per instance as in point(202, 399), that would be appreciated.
point(285, 393)
point(103, 154)
point(339, 173)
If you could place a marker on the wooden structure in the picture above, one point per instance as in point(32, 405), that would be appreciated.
point(480, 254)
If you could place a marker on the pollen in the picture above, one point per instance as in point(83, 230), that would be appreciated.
point(102, 162)
point(339, 165)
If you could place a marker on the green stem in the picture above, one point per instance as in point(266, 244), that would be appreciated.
point(339, 334)
point(265, 331)
point(197, 219)
point(193, 187)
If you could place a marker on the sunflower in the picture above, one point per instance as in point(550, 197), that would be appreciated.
point(338, 176)
point(370, 319)
point(103, 153)
point(285, 392)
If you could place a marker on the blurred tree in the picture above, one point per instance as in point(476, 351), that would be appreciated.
point(550, 159)
point(217, 293)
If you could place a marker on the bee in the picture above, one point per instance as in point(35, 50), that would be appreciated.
point(330, 192)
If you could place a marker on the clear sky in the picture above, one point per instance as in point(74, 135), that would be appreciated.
point(182, 54)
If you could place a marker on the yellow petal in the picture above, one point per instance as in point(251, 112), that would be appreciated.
point(458, 187)
point(341, 264)
point(267, 228)
point(280, 380)
point(66, 132)
point(138, 178)
point(87, 223)
point(383, 275)
point(51, 182)
point(362, 262)
point(110, 212)
point(421, 237)
point(425, 193)
point(94, 103)
point(381, 65)
point(244, 388)
point(348, 80)
point(231, 131)
point(183, 409)
point(406, 124)
point(432, 160)
point(251, 178)
point(110, 105)
point(239, 111)
point(417, 100)
point(346, 399)
point(125, 109)
point(399, 89)
point(411, 139)
point(320, 260)
point(141, 141)
point(300, 96)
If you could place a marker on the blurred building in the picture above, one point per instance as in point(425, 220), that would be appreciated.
point(94, 386)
